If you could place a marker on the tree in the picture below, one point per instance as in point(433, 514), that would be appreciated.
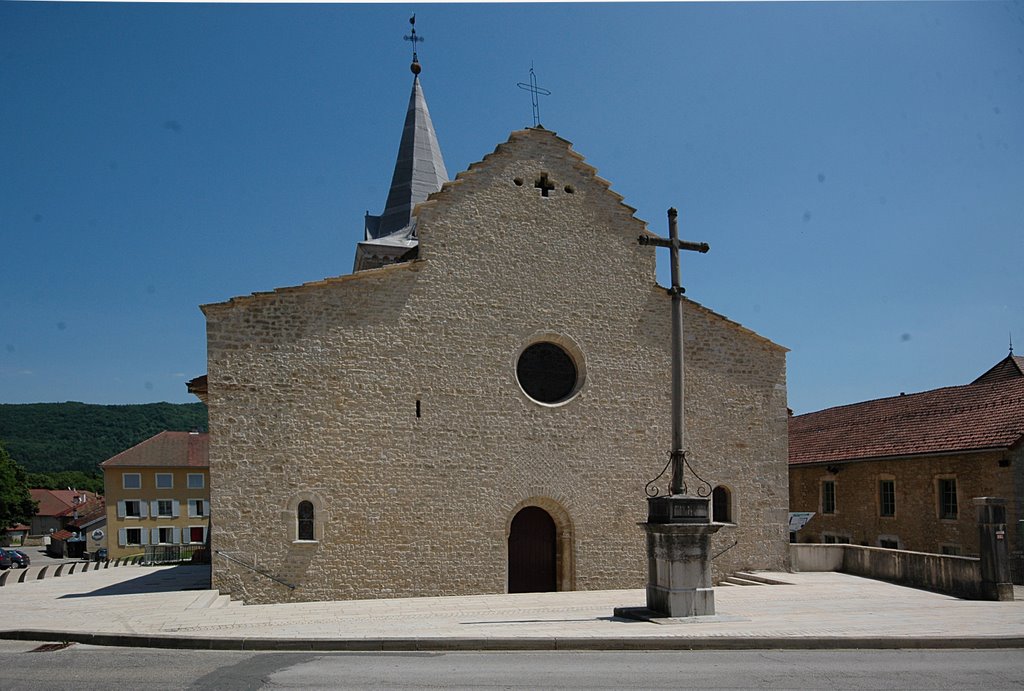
point(16, 504)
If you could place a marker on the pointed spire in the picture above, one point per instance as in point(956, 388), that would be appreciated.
point(419, 172)
point(419, 169)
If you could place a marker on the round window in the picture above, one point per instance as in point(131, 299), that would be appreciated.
point(547, 372)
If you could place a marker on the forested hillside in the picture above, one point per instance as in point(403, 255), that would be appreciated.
point(52, 437)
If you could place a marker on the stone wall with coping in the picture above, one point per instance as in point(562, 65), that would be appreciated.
point(315, 390)
point(916, 523)
point(959, 576)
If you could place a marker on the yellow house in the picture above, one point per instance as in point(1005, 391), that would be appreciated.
point(158, 493)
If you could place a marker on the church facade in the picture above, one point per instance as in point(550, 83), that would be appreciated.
point(480, 411)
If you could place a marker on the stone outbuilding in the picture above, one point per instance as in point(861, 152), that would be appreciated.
point(479, 406)
point(902, 472)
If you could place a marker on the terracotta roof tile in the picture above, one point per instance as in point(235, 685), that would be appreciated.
point(956, 418)
point(88, 512)
point(57, 502)
point(1010, 367)
point(166, 450)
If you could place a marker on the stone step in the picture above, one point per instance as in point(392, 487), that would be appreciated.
point(764, 580)
point(735, 580)
point(221, 602)
point(205, 600)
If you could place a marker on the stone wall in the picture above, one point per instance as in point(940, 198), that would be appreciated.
point(959, 576)
point(389, 401)
point(916, 524)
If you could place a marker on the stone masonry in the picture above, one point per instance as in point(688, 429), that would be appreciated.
point(388, 399)
point(916, 525)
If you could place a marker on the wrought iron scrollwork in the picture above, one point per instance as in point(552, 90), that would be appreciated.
point(704, 489)
point(649, 489)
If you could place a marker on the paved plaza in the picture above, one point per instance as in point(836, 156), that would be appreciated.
point(173, 607)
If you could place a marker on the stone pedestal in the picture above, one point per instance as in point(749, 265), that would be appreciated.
point(679, 531)
point(992, 537)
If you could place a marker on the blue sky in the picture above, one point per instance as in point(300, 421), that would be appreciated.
point(858, 168)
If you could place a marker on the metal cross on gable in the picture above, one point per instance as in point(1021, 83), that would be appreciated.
point(674, 244)
point(534, 92)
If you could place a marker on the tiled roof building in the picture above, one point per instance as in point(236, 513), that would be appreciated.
point(56, 507)
point(902, 471)
point(158, 493)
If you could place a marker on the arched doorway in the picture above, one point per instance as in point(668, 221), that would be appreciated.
point(532, 565)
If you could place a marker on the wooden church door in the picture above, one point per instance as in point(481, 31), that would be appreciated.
point(531, 552)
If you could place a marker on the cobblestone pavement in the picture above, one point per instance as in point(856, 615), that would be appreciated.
point(174, 603)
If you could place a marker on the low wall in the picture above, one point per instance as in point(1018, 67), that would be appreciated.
point(959, 576)
point(12, 576)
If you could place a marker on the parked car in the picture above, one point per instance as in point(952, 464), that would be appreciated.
point(18, 558)
point(5, 559)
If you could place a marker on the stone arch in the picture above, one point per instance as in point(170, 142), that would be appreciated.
point(723, 506)
point(565, 542)
point(290, 515)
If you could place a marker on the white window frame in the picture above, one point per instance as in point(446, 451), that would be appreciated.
point(205, 508)
point(122, 537)
point(170, 480)
point(158, 535)
point(124, 480)
point(189, 534)
point(122, 509)
point(154, 508)
point(202, 481)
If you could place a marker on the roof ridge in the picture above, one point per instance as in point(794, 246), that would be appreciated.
point(905, 396)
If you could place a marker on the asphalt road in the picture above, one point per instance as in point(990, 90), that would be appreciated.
point(90, 667)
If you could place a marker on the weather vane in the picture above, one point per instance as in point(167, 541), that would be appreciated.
point(534, 92)
point(415, 67)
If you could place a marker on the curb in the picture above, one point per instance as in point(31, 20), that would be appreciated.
point(511, 644)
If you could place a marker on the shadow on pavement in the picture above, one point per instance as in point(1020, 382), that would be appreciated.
point(155, 580)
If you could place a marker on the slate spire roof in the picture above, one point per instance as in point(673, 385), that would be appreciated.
point(419, 169)
point(985, 414)
point(419, 172)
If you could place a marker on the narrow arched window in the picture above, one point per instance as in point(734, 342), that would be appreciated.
point(721, 510)
point(305, 516)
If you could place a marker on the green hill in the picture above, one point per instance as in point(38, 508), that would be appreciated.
point(52, 437)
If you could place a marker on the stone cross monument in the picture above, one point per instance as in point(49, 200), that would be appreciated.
point(678, 526)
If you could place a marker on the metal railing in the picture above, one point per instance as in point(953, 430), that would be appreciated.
point(254, 569)
point(1017, 568)
point(170, 554)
